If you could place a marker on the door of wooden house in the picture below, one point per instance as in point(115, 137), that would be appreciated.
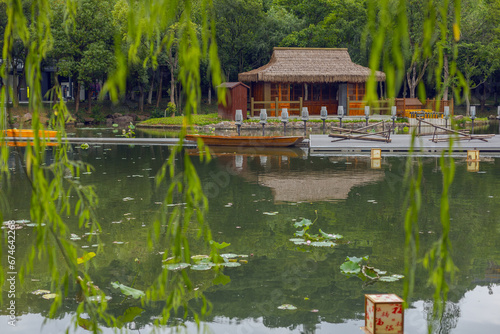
point(356, 94)
point(282, 92)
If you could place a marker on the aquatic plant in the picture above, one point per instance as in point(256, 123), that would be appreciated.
point(317, 240)
point(358, 266)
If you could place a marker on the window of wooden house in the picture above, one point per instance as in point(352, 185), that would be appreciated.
point(274, 91)
point(296, 91)
point(316, 92)
point(325, 92)
point(356, 92)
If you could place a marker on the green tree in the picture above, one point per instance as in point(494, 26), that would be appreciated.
point(83, 50)
point(19, 51)
point(479, 46)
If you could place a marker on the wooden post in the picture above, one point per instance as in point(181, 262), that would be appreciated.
point(347, 107)
point(252, 107)
point(300, 104)
point(276, 107)
point(451, 107)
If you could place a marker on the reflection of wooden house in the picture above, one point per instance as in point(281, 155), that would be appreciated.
point(298, 187)
point(308, 77)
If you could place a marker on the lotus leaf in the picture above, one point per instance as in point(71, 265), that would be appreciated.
point(231, 264)
point(229, 256)
point(389, 279)
point(128, 291)
point(49, 296)
point(322, 244)
point(201, 267)
point(303, 222)
point(41, 292)
point(350, 267)
point(176, 266)
point(287, 307)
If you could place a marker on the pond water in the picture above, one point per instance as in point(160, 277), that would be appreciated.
point(255, 197)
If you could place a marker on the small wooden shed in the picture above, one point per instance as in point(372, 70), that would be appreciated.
point(236, 98)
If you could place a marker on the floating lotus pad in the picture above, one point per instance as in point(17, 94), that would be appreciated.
point(287, 307)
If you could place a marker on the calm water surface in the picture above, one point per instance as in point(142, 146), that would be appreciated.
point(255, 197)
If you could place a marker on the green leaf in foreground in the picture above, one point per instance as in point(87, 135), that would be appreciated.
point(129, 315)
point(219, 245)
point(221, 279)
point(128, 291)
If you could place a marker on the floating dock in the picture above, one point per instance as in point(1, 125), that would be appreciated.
point(400, 144)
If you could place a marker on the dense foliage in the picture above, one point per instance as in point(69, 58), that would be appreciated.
point(248, 30)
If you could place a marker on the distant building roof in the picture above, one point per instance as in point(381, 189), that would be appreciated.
point(232, 84)
point(310, 65)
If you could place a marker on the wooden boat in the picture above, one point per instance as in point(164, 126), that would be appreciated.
point(218, 151)
point(25, 143)
point(247, 141)
point(29, 133)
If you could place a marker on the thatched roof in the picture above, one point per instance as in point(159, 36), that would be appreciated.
point(310, 65)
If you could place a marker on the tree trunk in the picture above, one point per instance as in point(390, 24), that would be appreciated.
point(77, 97)
point(483, 98)
point(150, 93)
point(89, 97)
point(160, 88)
point(209, 94)
point(141, 98)
point(20, 84)
point(15, 90)
point(172, 85)
point(467, 104)
point(412, 77)
point(446, 79)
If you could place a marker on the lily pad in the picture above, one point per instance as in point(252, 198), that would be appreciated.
point(201, 267)
point(330, 236)
point(323, 244)
point(350, 267)
point(197, 258)
point(176, 266)
point(50, 296)
point(287, 307)
point(41, 292)
point(128, 291)
point(229, 256)
point(98, 298)
point(389, 279)
point(270, 213)
point(298, 241)
point(230, 264)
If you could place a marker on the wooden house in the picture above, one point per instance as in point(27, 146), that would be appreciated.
point(308, 77)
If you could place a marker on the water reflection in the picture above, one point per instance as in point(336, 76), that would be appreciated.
point(365, 205)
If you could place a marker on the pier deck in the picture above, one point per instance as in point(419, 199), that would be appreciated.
point(400, 144)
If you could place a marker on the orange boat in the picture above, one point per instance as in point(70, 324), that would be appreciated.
point(29, 133)
point(247, 141)
point(25, 143)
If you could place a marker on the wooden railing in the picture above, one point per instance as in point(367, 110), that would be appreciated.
point(380, 107)
point(383, 107)
point(274, 110)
